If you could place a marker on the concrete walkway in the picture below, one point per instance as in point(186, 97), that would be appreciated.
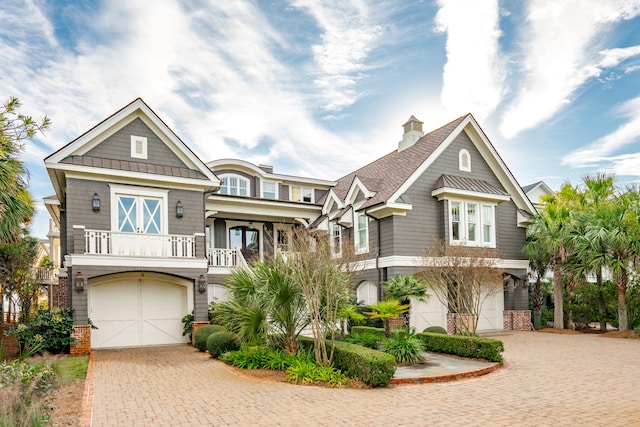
point(550, 380)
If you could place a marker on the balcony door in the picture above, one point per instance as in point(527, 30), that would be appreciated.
point(140, 214)
point(247, 239)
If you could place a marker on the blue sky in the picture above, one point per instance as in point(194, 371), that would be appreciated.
point(318, 88)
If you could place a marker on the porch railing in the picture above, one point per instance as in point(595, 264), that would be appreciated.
point(101, 242)
point(219, 257)
point(44, 274)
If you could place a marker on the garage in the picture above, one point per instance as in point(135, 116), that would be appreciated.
point(140, 309)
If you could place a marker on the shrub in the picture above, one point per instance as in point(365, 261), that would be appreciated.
point(187, 324)
point(405, 347)
point(201, 335)
point(367, 329)
point(436, 330)
point(372, 367)
point(307, 372)
point(49, 330)
point(365, 339)
point(465, 346)
point(23, 387)
point(221, 342)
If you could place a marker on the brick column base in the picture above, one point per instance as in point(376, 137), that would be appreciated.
point(517, 320)
point(82, 336)
point(194, 327)
point(458, 323)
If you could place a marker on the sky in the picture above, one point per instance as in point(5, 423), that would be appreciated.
point(320, 88)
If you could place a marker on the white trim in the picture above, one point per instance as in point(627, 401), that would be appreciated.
point(331, 197)
point(461, 156)
point(134, 147)
point(220, 163)
point(353, 191)
point(418, 261)
point(134, 262)
point(447, 192)
point(258, 226)
point(131, 190)
point(276, 192)
point(239, 178)
point(489, 154)
point(356, 232)
point(464, 224)
point(306, 187)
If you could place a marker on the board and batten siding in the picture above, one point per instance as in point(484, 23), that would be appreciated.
point(427, 222)
point(118, 147)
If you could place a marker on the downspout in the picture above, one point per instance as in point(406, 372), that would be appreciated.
point(377, 256)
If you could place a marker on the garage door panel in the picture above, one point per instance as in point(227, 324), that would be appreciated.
point(137, 311)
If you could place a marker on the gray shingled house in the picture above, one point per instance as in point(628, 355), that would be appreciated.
point(149, 233)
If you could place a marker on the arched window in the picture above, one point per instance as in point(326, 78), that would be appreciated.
point(367, 293)
point(235, 185)
point(464, 161)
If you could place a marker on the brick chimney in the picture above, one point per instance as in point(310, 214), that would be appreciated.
point(412, 133)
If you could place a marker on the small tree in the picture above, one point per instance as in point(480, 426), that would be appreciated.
point(387, 310)
point(403, 288)
point(16, 260)
point(324, 279)
point(462, 278)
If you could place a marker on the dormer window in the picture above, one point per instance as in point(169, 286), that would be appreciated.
point(234, 185)
point(464, 161)
point(138, 147)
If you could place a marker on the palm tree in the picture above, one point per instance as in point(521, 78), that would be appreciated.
point(385, 310)
point(539, 264)
point(403, 288)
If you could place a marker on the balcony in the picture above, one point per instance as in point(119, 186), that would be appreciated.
point(44, 275)
point(100, 242)
point(225, 258)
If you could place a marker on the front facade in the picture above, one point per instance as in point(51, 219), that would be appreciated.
point(149, 233)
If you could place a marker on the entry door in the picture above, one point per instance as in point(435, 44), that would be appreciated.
point(246, 239)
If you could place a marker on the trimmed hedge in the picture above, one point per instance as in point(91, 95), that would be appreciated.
point(436, 330)
point(220, 342)
point(372, 367)
point(201, 335)
point(368, 330)
point(465, 346)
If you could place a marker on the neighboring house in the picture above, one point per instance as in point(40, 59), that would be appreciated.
point(536, 192)
point(149, 233)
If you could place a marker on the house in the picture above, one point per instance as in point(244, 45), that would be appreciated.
point(149, 233)
point(536, 192)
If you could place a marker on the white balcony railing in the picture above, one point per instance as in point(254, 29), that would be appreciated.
point(44, 274)
point(219, 257)
point(135, 244)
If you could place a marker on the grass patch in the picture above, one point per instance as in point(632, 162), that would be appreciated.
point(67, 368)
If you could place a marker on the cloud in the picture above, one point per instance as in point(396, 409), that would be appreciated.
point(600, 153)
point(348, 33)
point(560, 42)
point(473, 77)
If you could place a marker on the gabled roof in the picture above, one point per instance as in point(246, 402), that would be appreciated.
point(72, 156)
point(394, 169)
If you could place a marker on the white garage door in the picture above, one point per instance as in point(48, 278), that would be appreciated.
point(491, 314)
point(137, 310)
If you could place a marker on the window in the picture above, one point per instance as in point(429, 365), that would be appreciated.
point(472, 223)
point(336, 239)
point(361, 232)
point(234, 185)
point(269, 190)
point(138, 147)
point(464, 161)
point(138, 210)
point(301, 194)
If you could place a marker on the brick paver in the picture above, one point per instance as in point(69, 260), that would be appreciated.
point(550, 380)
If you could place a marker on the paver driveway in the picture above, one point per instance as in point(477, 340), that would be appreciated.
point(559, 380)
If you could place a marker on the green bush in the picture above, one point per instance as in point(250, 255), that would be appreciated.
point(436, 330)
point(405, 347)
point(201, 335)
point(367, 329)
point(372, 367)
point(258, 357)
point(465, 346)
point(365, 339)
point(220, 342)
point(187, 324)
point(307, 372)
point(24, 388)
point(49, 330)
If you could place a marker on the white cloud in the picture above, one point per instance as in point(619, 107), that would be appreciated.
point(473, 77)
point(600, 153)
point(560, 42)
point(349, 33)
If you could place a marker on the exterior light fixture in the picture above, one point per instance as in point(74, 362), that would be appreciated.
point(79, 282)
point(202, 284)
point(95, 202)
point(179, 209)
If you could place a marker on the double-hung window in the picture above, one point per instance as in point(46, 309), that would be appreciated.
point(336, 239)
point(234, 185)
point(472, 223)
point(301, 194)
point(361, 225)
point(269, 190)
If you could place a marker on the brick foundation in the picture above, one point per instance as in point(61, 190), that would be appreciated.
point(195, 326)
point(517, 320)
point(82, 336)
point(458, 323)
